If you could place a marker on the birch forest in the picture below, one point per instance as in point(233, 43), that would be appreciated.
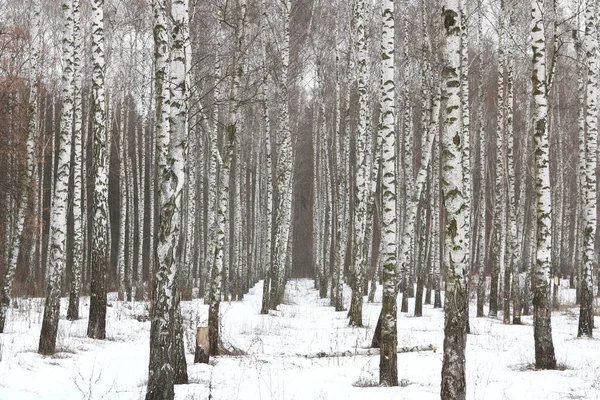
point(299, 199)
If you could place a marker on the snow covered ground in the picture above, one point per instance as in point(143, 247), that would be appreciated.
point(274, 368)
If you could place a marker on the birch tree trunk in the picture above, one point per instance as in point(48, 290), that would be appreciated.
point(268, 173)
point(435, 224)
point(407, 263)
point(341, 193)
point(453, 365)
point(121, 261)
point(100, 220)
point(388, 369)
point(481, 215)
point(317, 235)
point(211, 215)
point(58, 222)
point(131, 189)
point(466, 142)
point(284, 170)
point(167, 361)
point(586, 310)
point(362, 184)
point(73, 308)
point(542, 326)
point(512, 274)
point(499, 226)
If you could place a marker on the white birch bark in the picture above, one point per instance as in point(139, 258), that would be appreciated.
point(465, 117)
point(342, 188)
point(586, 312)
point(363, 172)
point(388, 369)
point(77, 264)
point(482, 199)
point(131, 187)
point(191, 234)
point(512, 272)
point(499, 226)
point(139, 281)
point(167, 366)
point(100, 220)
point(284, 168)
point(121, 262)
point(544, 348)
point(212, 173)
point(162, 109)
point(179, 92)
point(268, 172)
point(408, 166)
point(455, 305)
point(58, 220)
point(317, 234)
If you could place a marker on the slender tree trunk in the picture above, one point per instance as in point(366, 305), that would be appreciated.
point(466, 144)
point(542, 326)
point(268, 172)
point(455, 339)
point(167, 361)
point(100, 222)
point(586, 311)
point(76, 266)
point(58, 223)
point(481, 216)
point(121, 258)
point(499, 227)
point(388, 369)
point(284, 171)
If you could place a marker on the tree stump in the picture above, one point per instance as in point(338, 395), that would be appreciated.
point(201, 354)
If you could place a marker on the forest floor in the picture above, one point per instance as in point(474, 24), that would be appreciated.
point(273, 366)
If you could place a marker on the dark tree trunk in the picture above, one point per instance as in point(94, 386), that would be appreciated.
point(419, 297)
point(542, 330)
point(437, 298)
point(404, 303)
point(179, 363)
point(97, 320)
point(480, 295)
point(493, 312)
point(453, 371)
point(213, 327)
point(47, 345)
point(506, 298)
point(376, 342)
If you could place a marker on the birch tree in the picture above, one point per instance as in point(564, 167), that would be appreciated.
point(58, 223)
point(100, 232)
point(167, 361)
point(362, 184)
point(457, 214)
point(542, 325)
point(77, 263)
point(586, 312)
point(342, 187)
point(499, 226)
point(511, 278)
point(482, 200)
point(283, 174)
point(388, 369)
point(268, 172)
